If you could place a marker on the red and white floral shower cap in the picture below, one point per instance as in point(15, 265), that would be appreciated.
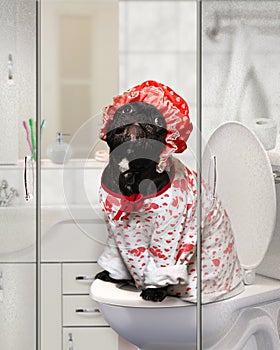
point(172, 106)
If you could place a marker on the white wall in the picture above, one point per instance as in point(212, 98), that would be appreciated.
point(158, 42)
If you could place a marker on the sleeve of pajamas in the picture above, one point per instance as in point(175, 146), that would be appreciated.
point(111, 260)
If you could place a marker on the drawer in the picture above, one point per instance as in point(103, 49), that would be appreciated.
point(90, 339)
point(80, 310)
point(77, 278)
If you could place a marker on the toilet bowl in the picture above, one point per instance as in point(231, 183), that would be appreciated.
point(248, 321)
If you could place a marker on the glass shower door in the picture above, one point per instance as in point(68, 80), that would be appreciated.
point(18, 266)
point(240, 114)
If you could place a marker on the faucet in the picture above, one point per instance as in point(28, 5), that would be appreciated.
point(6, 196)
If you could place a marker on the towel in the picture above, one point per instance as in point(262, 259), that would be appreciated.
point(245, 98)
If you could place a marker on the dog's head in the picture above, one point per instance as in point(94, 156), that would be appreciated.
point(137, 131)
point(150, 102)
point(136, 138)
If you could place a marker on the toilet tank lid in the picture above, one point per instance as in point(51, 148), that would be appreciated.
point(245, 185)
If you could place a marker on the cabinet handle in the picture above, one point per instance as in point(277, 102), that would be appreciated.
point(87, 311)
point(1, 287)
point(1, 280)
point(84, 278)
point(70, 342)
point(10, 68)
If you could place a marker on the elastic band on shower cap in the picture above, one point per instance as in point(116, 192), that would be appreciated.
point(172, 106)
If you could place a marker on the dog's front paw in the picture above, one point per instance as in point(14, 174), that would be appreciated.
point(154, 294)
point(104, 276)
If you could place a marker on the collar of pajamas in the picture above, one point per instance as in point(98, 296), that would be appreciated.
point(153, 240)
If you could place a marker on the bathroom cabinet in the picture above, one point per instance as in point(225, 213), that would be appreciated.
point(70, 319)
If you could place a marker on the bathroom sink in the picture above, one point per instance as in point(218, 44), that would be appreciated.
point(18, 224)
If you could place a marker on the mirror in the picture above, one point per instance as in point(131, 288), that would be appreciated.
point(93, 49)
point(79, 42)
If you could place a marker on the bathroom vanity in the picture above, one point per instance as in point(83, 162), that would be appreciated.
point(70, 319)
point(69, 253)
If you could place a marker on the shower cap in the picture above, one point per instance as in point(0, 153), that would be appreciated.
point(173, 107)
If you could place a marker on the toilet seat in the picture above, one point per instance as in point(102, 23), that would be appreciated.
point(245, 185)
point(264, 289)
point(124, 294)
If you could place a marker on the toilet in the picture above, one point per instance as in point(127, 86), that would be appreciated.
point(248, 321)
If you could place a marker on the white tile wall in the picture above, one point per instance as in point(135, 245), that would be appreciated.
point(157, 41)
point(151, 26)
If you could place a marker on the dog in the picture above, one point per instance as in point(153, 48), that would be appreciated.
point(151, 210)
point(136, 124)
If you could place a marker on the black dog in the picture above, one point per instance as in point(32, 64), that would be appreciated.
point(136, 138)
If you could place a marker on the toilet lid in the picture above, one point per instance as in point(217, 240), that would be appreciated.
point(245, 185)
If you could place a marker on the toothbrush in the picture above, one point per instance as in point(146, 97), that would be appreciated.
point(27, 135)
point(33, 141)
point(43, 124)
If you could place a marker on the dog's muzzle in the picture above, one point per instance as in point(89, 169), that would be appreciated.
point(133, 132)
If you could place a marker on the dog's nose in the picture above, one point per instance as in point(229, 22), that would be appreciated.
point(135, 132)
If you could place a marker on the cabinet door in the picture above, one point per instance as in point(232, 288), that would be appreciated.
point(90, 339)
point(51, 306)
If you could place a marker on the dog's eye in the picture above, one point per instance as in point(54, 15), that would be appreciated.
point(157, 121)
point(148, 128)
point(119, 130)
point(127, 109)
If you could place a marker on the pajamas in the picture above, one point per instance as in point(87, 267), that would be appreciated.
point(153, 239)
